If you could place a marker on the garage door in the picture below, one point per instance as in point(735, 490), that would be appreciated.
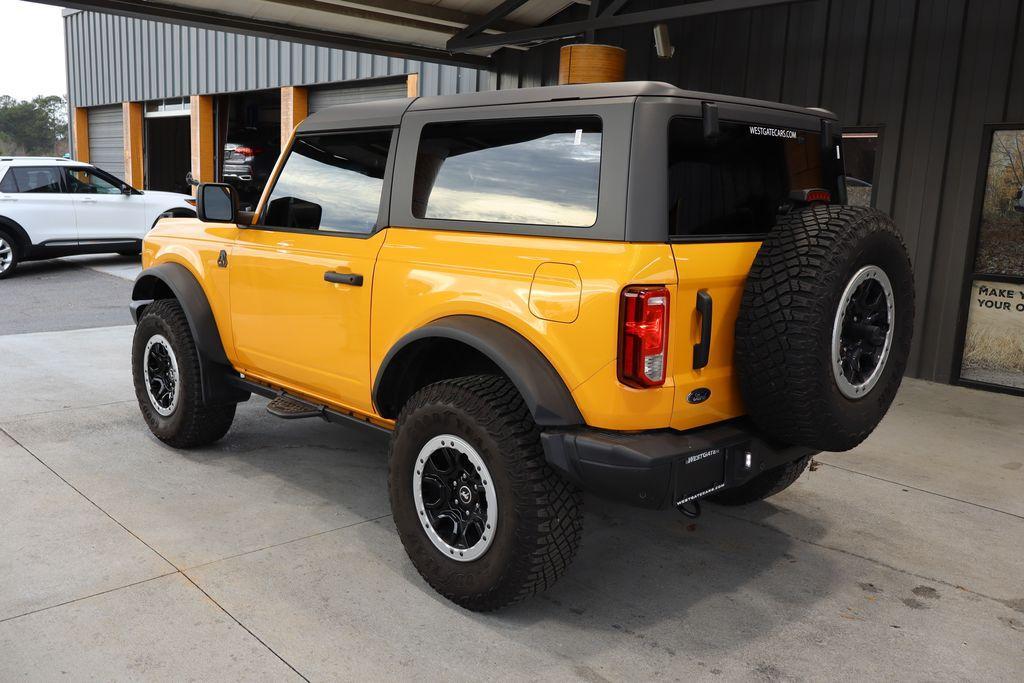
point(106, 139)
point(321, 98)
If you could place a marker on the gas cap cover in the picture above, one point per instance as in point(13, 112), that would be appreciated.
point(555, 292)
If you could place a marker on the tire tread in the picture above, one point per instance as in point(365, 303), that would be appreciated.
point(200, 424)
point(549, 508)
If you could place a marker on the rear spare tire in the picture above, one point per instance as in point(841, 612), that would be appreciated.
point(824, 327)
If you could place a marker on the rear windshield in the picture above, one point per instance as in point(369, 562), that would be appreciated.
point(739, 181)
point(521, 171)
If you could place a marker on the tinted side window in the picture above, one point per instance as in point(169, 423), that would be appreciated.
point(8, 184)
point(738, 182)
point(37, 178)
point(85, 181)
point(331, 183)
point(525, 171)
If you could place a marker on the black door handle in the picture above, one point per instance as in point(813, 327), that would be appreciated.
point(344, 278)
point(702, 350)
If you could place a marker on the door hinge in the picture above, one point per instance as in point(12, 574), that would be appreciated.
point(222, 260)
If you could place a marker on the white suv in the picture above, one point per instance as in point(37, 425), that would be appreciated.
point(53, 207)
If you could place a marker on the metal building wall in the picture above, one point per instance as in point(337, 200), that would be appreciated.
point(327, 96)
point(930, 73)
point(112, 59)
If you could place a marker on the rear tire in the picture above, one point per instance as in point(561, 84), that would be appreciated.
point(763, 485)
point(165, 367)
point(9, 256)
point(824, 327)
point(537, 516)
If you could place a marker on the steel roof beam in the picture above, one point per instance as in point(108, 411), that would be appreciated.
point(487, 21)
point(435, 13)
point(461, 41)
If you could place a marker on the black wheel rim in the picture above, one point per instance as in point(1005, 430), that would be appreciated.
point(455, 497)
point(161, 375)
point(862, 334)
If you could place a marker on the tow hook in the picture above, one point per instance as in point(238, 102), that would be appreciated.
point(689, 509)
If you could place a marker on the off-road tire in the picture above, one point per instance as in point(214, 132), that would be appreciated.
point(539, 513)
point(764, 485)
point(785, 325)
point(192, 424)
point(15, 247)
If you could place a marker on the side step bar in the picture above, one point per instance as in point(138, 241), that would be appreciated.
point(290, 407)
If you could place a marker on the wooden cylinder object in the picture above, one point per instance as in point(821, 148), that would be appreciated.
point(587, 63)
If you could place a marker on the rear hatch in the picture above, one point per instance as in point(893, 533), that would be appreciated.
point(726, 192)
point(711, 277)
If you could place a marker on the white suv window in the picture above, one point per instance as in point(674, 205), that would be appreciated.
point(85, 181)
point(37, 178)
point(8, 184)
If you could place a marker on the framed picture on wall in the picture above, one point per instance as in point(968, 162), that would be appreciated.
point(992, 342)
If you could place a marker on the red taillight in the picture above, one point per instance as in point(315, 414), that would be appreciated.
point(643, 337)
point(248, 151)
point(812, 196)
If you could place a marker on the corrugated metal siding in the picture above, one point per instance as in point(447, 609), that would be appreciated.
point(330, 96)
point(106, 139)
point(930, 73)
point(113, 59)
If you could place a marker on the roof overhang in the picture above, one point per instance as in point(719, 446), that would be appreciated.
point(464, 32)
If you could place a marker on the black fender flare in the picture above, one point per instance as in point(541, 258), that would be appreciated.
point(176, 212)
point(542, 388)
point(183, 285)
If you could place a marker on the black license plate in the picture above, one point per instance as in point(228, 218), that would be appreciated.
point(700, 474)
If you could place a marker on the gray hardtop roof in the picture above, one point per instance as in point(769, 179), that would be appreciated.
point(384, 113)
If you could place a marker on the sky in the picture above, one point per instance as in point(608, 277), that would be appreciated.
point(32, 50)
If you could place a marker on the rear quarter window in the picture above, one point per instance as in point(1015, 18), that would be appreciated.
point(7, 183)
point(42, 179)
point(740, 181)
point(521, 171)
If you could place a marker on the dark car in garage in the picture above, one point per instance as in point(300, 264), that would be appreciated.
point(249, 158)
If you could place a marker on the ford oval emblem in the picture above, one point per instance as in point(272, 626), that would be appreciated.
point(699, 395)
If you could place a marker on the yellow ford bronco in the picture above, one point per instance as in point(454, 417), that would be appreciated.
point(653, 295)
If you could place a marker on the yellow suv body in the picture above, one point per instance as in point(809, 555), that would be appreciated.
point(570, 261)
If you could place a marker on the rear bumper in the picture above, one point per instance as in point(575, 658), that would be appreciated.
point(659, 468)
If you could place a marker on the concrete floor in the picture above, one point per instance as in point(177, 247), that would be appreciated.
point(272, 555)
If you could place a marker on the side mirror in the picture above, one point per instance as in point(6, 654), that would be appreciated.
point(126, 188)
point(216, 203)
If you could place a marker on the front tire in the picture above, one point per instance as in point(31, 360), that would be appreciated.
point(165, 368)
point(482, 516)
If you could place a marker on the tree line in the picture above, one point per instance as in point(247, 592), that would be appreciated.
point(36, 127)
